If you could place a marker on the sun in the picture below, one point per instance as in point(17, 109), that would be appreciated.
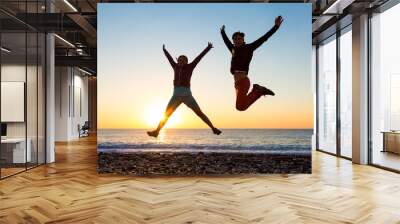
point(155, 112)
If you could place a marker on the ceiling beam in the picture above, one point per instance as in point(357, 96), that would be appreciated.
point(337, 6)
point(82, 61)
point(83, 23)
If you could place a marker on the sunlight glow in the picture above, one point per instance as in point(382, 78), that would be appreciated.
point(154, 113)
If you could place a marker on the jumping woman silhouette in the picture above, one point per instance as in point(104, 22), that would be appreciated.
point(182, 94)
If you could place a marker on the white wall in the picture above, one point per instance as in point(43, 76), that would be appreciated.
point(62, 81)
point(71, 93)
point(80, 110)
point(33, 127)
point(12, 73)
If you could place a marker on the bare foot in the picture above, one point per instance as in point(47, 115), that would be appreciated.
point(216, 131)
point(153, 133)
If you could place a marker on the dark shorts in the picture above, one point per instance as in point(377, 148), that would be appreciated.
point(183, 95)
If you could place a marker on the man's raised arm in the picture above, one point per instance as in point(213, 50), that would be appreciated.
point(227, 42)
point(170, 59)
point(261, 40)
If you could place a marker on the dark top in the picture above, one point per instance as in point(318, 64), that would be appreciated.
point(242, 55)
point(183, 73)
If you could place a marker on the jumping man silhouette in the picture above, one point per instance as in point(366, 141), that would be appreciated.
point(242, 54)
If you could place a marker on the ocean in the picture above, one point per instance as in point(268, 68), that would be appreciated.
point(282, 140)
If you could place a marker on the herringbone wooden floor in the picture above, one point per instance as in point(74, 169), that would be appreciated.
point(71, 191)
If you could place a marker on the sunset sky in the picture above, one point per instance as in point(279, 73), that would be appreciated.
point(135, 80)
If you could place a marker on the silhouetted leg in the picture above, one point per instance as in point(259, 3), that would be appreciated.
point(192, 104)
point(171, 107)
point(253, 96)
point(242, 87)
point(243, 101)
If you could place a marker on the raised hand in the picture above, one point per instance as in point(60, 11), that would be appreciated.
point(223, 28)
point(210, 45)
point(278, 21)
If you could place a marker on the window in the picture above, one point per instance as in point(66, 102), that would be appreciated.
point(327, 95)
point(346, 92)
point(385, 89)
point(22, 89)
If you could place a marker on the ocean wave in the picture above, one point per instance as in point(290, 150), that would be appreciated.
point(280, 147)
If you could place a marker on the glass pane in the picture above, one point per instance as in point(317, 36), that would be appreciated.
point(13, 87)
point(346, 93)
point(327, 96)
point(31, 84)
point(386, 89)
point(41, 98)
point(31, 98)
